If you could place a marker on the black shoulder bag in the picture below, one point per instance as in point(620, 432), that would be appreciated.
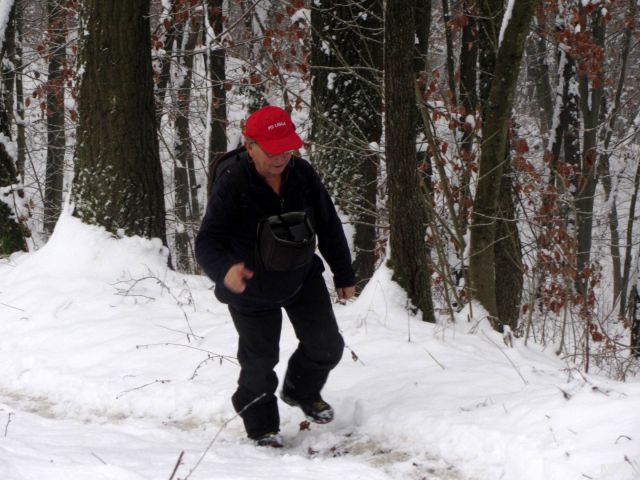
point(286, 241)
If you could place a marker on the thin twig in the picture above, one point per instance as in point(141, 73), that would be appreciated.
point(634, 465)
point(202, 364)
point(103, 462)
point(6, 427)
point(507, 356)
point(622, 436)
point(434, 359)
point(215, 437)
point(178, 463)
point(170, 344)
point(124, 392)
point(11, 306)
point(354, 356)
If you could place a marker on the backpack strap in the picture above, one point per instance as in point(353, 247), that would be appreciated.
point(223, 163)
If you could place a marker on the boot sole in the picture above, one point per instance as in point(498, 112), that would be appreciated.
point(319, 420)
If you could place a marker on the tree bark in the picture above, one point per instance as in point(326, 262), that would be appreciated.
point(187, 212)
point(591, 95)
point(497, 113)
point(54, 176)
point(508, 253)
point(347, 54)
point(469, 102)
point(11, 234)
point(20, 125)
point(217, 75)
point(541, 79)
point(635, 320)
point(407, 211)
point(451, 64)
point(118, 182)
point(489, 20)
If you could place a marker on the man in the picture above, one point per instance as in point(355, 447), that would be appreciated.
point(260, 180)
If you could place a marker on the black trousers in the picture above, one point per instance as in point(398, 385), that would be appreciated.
point(319, 350)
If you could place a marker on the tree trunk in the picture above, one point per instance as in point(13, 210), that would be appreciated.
point(347, 54)
point(635, 320)
point(20, 120)
point(188, 32)
point(118, 182)
point(407, 212)
point(423, 28)
point(469, 102)
point(11, 233)
point(489, 20)
point(451, 64)
point(508, 252)
point(591, 95)
point(497, 114)
point(57, 34)
point(536, 50)
point(164, 61)
point(217, 76)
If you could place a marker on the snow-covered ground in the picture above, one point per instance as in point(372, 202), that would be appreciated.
point(113, 366)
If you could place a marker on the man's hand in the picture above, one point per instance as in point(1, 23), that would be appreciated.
point(346, 293)
point(236, 278)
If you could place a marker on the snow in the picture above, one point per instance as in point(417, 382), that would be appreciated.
point(5, 12)
point(508, 11)
point(111, 365)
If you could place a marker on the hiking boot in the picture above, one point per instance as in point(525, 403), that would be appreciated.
point(271, 439)
point(315, 408)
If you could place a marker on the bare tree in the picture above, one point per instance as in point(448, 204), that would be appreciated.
point(496, 114)
point(218, 78)
point(186, 206)
point(407, 210)
point(12, 236)
point(55, 94)
point(347, 121)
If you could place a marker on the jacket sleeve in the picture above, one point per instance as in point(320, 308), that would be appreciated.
point(212, 246)
point(332, 241)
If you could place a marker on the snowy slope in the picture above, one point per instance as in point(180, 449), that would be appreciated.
point(111, 365)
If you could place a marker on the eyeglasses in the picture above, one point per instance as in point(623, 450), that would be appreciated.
point(288, 153)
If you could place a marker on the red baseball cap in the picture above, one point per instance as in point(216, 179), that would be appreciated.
point(272, 129)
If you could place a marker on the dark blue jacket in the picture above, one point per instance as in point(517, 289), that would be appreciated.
point(239, 200)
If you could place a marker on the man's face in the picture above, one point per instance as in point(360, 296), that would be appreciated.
point(269, 166)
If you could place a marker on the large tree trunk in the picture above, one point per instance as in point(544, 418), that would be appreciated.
point(507, 247)
point(497, 113)
point(407, 212)
point(347, 117)
point(57, 34)
point(508, 252)
point(489, 20)
point(11, 233)
point(118, 182)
